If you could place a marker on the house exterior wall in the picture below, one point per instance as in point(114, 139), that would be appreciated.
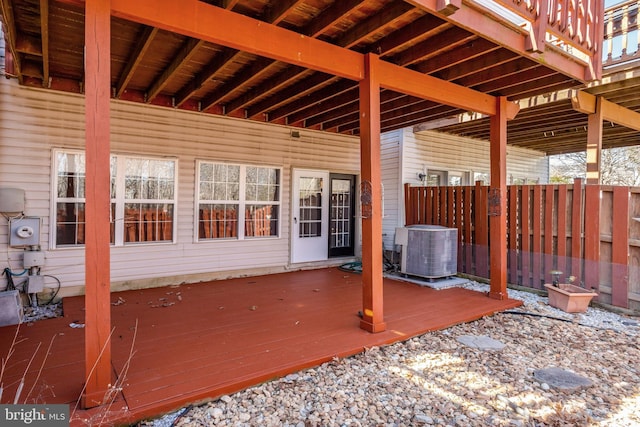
point(431, 150)
point(34, 122)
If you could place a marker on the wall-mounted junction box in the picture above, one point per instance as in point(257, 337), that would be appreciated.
point(24, 232)
point(35, 284)
point(33, 259)
point(11, 200)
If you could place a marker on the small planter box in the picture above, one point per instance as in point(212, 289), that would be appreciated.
point(569, 298)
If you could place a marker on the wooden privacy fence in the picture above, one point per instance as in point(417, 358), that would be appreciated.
point(591, 232)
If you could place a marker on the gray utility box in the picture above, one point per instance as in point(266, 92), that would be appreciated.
point(24, 232)
point(10, 308)
point(429, 251)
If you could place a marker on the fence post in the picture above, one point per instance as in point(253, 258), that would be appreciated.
point(592, 237)
point(620, 248)
point(576, 229)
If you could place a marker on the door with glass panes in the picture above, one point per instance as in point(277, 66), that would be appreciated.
point(322, 215)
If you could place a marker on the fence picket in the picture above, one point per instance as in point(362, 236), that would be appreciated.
point(550, 227)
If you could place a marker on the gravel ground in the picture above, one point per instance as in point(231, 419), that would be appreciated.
point(435, 380)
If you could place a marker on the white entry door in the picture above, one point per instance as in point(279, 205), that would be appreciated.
point(309, 228)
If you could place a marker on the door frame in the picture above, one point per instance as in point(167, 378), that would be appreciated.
point(306, 249)
point(349, 250)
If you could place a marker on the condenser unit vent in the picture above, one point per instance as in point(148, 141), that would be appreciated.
point(429, 251)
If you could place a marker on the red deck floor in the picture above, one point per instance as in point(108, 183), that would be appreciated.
point(196, 342)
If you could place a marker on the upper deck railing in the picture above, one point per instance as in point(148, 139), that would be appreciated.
point(573, 27)
point(621, 40)
point(572, 22)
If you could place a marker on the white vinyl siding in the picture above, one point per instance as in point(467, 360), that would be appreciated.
point(440, 151)
point(413, 154)
point(391, 164)
point(35, 121)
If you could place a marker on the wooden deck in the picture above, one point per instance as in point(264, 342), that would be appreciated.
point(199, 341)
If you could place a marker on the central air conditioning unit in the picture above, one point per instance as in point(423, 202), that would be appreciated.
point(429, 251)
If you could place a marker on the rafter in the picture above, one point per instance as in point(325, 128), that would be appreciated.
point(291, 110)
point(480, 65)
point(219, 62)
point(472, 49)
point(273, 16)
point(44, 31)
point(182, 57)
point(446, 41)
point(305, 86)
point(407, 36)
point(329, 16)
point(278, 11)
point(337, 100)
point(11, 36)
point(144, 41)
point(199, 20)
point(254, 71)
point(267, 90)
point(483, 25)
point(386, 16)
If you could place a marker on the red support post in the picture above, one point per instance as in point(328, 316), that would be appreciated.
point(371, 194)
point(98, 200)
point(498, 202)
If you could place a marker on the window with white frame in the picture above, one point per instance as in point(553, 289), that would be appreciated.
point(237, 201)
point(143, 199)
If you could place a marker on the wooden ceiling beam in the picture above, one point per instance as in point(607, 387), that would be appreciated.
point(267, 90)
point(273, 16)
point(414, 119)
point(180, 59)
point(44, 33)
point(336, 11)
point(409, 35)
point(229, 4)
point(472, 49)
point(301, 108)
point(551, 84)
point(29, 45)
point(374, 23)
point(446, 41)
point(514, 78)
point(255, 70)
point(209, 71)
point(485, 26)
point(423, 86)
point(343, 106)
point(479, 68)
point(134, 60)
point(352, 37)
point(9, 27)
point(586, 103)
point(316, 81)
point(196, 19)
point(199, 20)
point(279, 10)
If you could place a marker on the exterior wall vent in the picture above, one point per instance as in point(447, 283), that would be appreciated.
point(429, 251)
